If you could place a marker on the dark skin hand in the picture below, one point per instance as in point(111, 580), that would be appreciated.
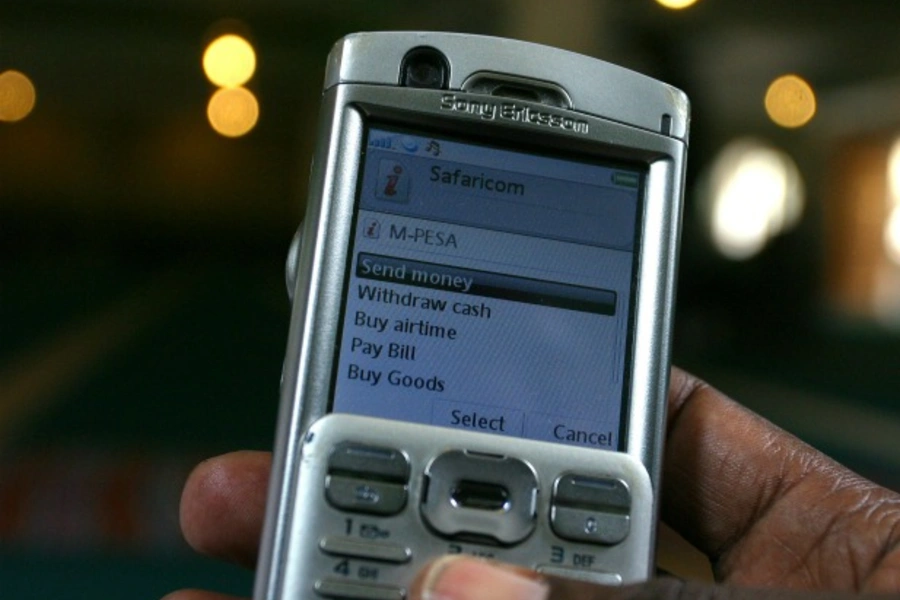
point(777, 519)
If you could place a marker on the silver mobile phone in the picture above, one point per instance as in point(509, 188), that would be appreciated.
point(479, 345)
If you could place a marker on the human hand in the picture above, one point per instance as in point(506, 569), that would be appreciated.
point(775, 517)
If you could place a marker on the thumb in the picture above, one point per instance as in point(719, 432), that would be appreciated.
point(463, 578)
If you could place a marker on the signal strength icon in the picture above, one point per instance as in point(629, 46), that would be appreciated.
point(381, 142)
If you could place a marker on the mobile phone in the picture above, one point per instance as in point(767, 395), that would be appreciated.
point(478, 353)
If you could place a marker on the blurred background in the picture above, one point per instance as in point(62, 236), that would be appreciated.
point(146, 211)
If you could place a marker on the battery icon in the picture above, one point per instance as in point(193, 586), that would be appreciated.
point(625, 179)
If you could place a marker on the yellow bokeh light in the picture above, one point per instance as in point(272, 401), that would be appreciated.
point(233, 112)
point(229, 61)
point(17, 96)
point(676, 4)
point(790, 101)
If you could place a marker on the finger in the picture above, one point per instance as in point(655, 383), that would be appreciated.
point(461, 578)
point(199, 595)
point(223, 505)
point(705, 496)
point(724, 466)
point(767, 508)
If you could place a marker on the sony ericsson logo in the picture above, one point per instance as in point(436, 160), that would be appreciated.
point(512, 111)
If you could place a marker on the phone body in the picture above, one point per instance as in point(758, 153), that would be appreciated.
point(478, 354)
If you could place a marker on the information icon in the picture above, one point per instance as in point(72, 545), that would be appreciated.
point(372, 228)
point(393, 182)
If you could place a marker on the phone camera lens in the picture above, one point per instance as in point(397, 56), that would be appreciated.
point(425, 67)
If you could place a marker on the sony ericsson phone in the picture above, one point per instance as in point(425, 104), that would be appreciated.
point(482, 294)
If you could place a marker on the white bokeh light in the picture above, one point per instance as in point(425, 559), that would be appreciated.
point(754, 193)
point(894, 172)
point(892, 235)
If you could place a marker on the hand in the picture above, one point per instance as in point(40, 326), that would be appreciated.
point(769, 511)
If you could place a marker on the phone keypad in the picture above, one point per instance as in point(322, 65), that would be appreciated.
point(463, 495)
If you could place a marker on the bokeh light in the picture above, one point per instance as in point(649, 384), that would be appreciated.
point(894, 172)
point(233, 112)
point(892, 235)
point(754, 193)
point(17, 96)
point(676, 4)
point(790, 101)
point(229, 61)
point(892, 225)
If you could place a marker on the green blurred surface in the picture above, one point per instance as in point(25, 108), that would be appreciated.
point(202, 372)
point(195, 374)
point(113, 576)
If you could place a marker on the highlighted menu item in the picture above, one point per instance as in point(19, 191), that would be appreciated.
point(483, 283)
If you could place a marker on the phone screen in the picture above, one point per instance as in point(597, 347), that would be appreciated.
point(489, 289)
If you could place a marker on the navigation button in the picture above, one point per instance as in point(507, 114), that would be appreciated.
point(367, 479)
point(589, 525)
point(474, 494)
point(590, 509)
point(365, 495)
point(375, 461)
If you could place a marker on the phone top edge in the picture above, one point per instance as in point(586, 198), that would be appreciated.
point(595, 87)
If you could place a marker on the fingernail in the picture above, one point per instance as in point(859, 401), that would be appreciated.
point(460, 578)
